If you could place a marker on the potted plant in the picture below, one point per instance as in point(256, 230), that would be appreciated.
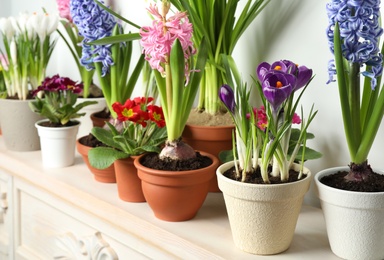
point(27, 48)
point(352, 197)
point(58, 132)
point(69, 33)
point(209, 128)
point(263, 187)
point(138, 129)
point(168, 187)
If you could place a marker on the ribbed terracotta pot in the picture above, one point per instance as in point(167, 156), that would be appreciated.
point(128, 182)
point(18, 125)
point(176, 195)
point(86, 122)
point(210, 139)
point(354, 220)
point(106, 175)
point(262, 217)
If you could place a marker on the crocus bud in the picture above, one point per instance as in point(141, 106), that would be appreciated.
point(6, 28)
point(53, 23)
point(227, 97)
point(13, 49)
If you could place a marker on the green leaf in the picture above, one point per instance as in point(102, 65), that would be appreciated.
point(310, 154)
point(226, 156)
point(117, 39)
point(105, 136)
point(103, 157)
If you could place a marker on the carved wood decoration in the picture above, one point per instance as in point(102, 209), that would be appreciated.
point(3, 205)
point(88, 248)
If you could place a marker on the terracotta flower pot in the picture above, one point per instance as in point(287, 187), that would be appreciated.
point(98, 121)
point(354, 220)
point(101, 175)
point(128, 183)
point(210, 139)
point(262, 217)
point(176, 195)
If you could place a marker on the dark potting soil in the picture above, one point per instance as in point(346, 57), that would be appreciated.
point(91, 141)
point(373, 183)
point(255, 176)
point(51, 124)
point(153, 161)
point(103, 114)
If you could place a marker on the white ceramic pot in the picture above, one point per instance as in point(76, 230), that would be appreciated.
point(262, 217)
point(354, 220)
point(86, 122)
point(18, 125)
point(57, 145)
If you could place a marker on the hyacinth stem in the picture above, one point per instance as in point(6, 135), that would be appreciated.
point(354, 100)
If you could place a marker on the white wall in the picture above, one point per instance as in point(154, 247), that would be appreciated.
point(292, 30)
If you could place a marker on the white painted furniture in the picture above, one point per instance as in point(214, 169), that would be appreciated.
point(65, 214)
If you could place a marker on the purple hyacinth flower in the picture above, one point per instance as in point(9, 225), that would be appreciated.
point(227, 97)
point(360, 31)
point(277, 87)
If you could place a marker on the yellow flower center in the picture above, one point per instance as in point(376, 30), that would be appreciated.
point(157, 116)
point(127, 112)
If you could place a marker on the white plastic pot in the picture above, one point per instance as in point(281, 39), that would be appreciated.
point(354, 220)
point(57, 144)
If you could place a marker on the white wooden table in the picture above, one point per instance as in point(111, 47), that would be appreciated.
point(51, 211)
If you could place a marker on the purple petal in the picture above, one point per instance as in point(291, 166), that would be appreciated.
point(263, 69)
point(303, 76)
point(227, 97)
point(277, 88)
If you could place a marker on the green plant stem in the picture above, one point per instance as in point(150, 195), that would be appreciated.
point(354, 100)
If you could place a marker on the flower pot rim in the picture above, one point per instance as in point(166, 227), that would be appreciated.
point(333, 170)
point(211, 127)
point(215, 163)
point(37, 124)
point(307, 173)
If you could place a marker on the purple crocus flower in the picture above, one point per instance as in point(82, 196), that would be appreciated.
point(93, 23)
point(277, 87)
point(302, 73)
point(359, 32)
point(227, 96)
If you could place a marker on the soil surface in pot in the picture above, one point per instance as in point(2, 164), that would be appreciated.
point(90, 141)
point(374, 182)
point(103, 114)
point(153, 161)
point(204, 119)
point(255, 176)
point(52, 124)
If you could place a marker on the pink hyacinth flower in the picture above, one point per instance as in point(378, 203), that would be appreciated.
point(157, 39)
point(63, 7)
